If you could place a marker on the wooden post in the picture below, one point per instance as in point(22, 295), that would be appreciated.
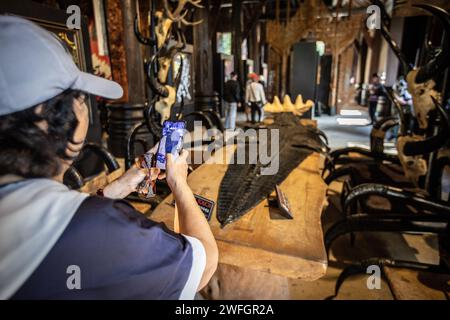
point(128, 71)
point(136, 82)
point(237, 40)
point(125, 51)
point(203, 59)
point(334, 89)
point(284, 71)
point(254, 50)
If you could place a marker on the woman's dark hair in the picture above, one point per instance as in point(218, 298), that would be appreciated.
point(30, 152)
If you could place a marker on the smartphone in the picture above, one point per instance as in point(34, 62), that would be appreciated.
point(171, 141)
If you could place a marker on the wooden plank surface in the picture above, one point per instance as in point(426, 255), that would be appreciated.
point(101, 180)
point(288, 248)
point(408, 284)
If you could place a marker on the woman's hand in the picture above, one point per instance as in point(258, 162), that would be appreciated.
point(81, 111)
point(130, 180)
point(126, 184)
point(176, 169)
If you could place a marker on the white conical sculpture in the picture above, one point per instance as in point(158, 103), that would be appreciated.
point(275, 106)
point(302, 107)
point(287, 104)
point(298, 108)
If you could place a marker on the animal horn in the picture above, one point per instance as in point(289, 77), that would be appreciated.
point(191, 23)
point(402, 131)
point(441, 61)
point(153, 126)
point(435, 142)
point(385, 18)
point(153, 82)
point(165, 58)
point(178, 14)
point(141, 38)
point(400, 56)
point(387, 36)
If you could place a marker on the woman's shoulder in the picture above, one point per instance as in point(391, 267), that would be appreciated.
point(119, 215)
point(120, 252)
point(99, 205)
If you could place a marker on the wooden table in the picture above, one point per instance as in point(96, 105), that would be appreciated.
point(257, 254)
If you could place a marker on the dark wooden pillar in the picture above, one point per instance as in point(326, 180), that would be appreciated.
point(237, 40)
point(255, 49)
point(125, 51)
point(203, 60)
point(128, 71)
point(136, 82)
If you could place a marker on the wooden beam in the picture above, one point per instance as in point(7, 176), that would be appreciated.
point(254, 19)
point(136, 80)
point(203, 53)
point(237, 39)
point(215, 12)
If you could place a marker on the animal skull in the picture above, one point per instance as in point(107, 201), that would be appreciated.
point(162, 28)
point(414, 166)
point(164, 105)
point(164, 66)
point(421, 95)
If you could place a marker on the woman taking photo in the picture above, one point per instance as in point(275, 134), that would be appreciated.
point(47, 232)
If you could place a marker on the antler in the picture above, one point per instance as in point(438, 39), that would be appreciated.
point(178, 15)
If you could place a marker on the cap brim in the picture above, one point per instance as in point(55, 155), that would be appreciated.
point(97, 86)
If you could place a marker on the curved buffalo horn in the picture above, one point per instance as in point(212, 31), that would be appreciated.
point(395, 48)
point(141, 38)
point(165, 59)
point(385, 18)
point(433, 143)
point(387, 36)
point(153, 126)
point(152, 80)
point(390, 95)
point(442, 59)
point(168, 53)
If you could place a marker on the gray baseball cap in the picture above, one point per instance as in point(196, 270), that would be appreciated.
point(35, 67)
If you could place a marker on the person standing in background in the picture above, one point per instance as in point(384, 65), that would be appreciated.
point(262, 81)
point(232, 97)
point(255, 96)
point(404, 98)
point(247, 108)
point(374, 93)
